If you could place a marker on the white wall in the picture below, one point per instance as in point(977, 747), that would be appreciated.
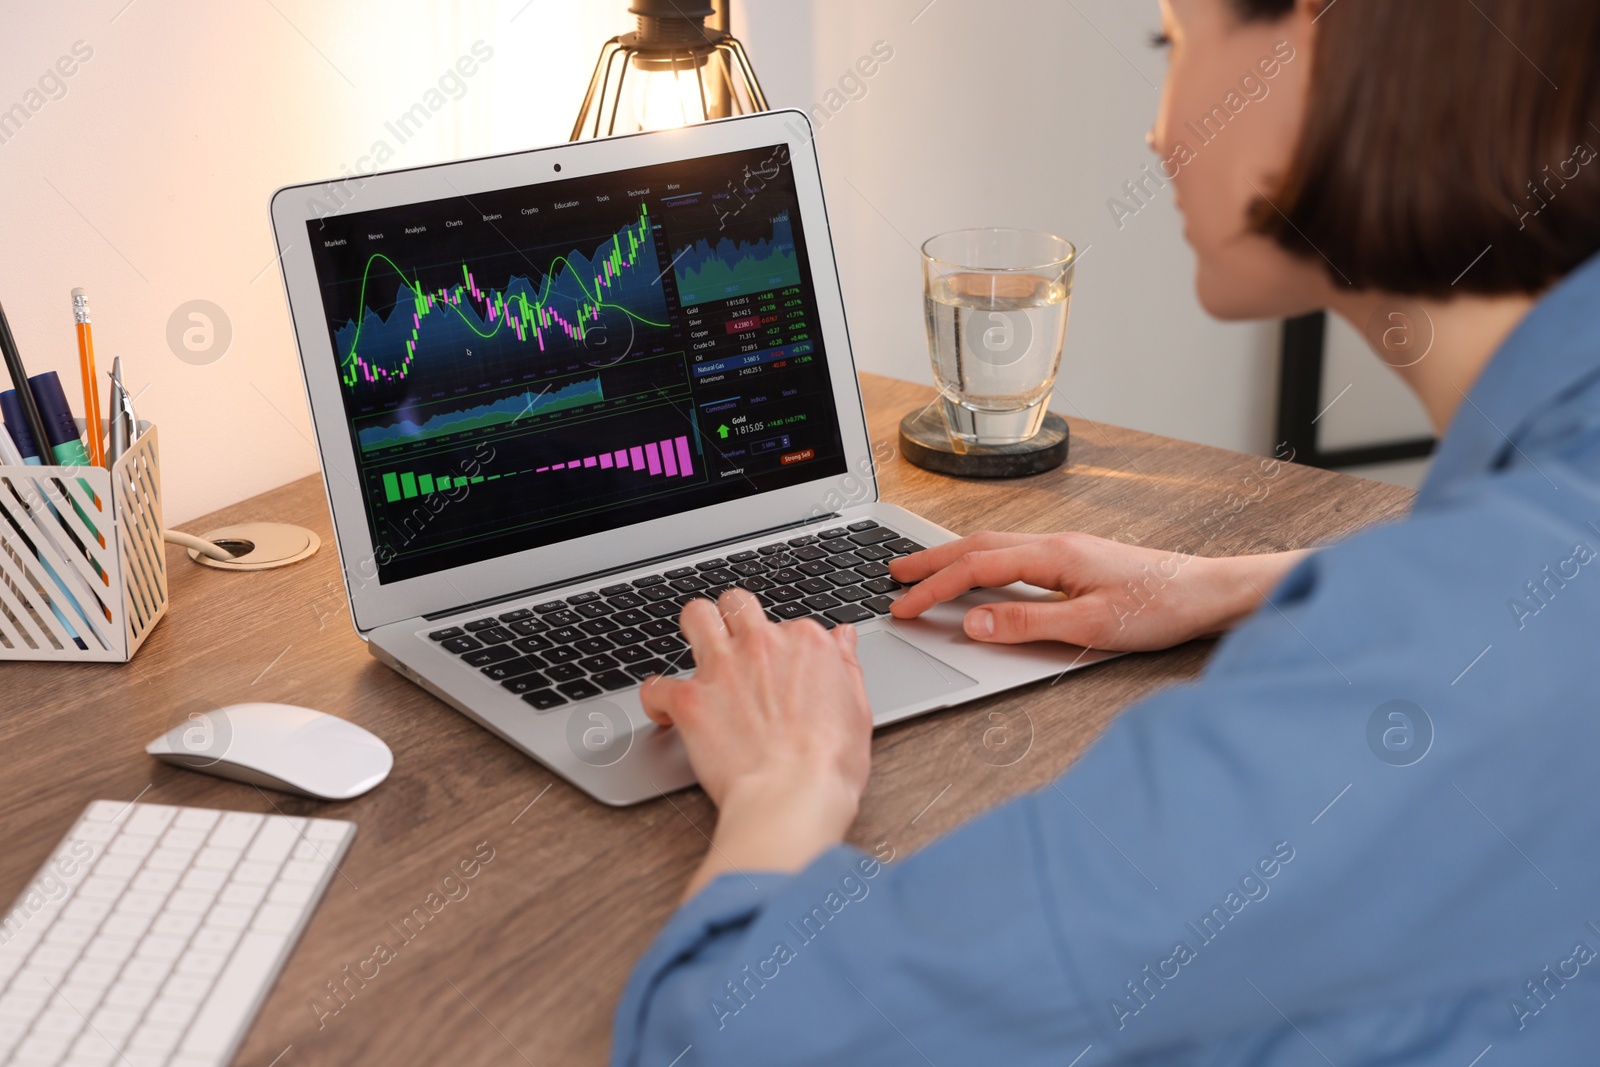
point(1017, 114)
point(1363, 402)
point(147, 183)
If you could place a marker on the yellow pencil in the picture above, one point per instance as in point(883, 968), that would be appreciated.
point(91, 381)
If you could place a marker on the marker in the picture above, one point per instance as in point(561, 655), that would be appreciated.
point(60, 428)
point(17, 428)
point(61, 431)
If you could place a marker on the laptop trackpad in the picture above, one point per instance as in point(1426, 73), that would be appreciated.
point(898, 675)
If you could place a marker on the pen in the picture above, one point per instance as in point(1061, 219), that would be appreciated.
point(123, 427)
point(91, 381)
point(19, 380)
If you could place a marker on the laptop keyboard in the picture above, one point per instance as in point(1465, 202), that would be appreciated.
point(615, 637)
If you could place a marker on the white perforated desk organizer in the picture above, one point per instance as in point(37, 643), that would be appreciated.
point(81, 558)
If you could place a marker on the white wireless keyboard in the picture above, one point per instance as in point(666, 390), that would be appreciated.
point(153, 933)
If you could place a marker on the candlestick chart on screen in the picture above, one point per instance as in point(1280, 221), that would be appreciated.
point(421, 330)
point(558, 359)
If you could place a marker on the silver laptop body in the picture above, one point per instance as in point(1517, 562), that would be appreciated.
point(557, 393)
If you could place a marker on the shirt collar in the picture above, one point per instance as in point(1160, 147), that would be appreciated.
point(1552, 351)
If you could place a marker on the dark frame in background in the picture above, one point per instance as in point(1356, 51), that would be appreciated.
point(1301, 357)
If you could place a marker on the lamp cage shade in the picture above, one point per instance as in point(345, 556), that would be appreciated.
point(672, 71)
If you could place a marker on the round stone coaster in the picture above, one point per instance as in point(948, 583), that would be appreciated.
point(926, 441)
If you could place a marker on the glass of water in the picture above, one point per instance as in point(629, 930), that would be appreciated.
point(996, 303)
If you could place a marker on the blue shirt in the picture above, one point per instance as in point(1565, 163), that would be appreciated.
point(1369, 834)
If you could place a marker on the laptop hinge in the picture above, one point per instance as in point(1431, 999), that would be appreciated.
point(579, 579)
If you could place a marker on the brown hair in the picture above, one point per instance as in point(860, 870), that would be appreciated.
point(1436, 130)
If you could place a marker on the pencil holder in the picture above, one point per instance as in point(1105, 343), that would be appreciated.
point(83, 573)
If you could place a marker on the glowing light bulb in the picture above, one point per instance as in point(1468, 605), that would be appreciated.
point(666, 99)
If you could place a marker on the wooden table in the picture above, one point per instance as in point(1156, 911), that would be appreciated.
point(532, 960)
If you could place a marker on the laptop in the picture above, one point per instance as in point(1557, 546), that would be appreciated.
point(559, 393)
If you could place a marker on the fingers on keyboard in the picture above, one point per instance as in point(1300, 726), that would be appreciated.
point(604, 640)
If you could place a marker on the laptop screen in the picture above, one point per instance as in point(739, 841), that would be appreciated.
point(532, 365)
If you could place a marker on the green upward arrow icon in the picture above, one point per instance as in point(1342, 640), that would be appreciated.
point(722, 431)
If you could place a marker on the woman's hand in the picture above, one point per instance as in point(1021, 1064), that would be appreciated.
point(777, 727)
point(1117, 597)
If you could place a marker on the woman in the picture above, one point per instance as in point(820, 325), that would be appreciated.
point(1284, 863)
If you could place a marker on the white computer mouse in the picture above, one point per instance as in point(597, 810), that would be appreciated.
point(278, 746)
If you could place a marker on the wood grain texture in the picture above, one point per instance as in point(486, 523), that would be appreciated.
point(529, 964)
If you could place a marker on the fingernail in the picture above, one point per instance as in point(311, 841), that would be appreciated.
point(980, 624)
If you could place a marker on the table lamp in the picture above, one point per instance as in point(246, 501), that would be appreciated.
point(673, 70)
